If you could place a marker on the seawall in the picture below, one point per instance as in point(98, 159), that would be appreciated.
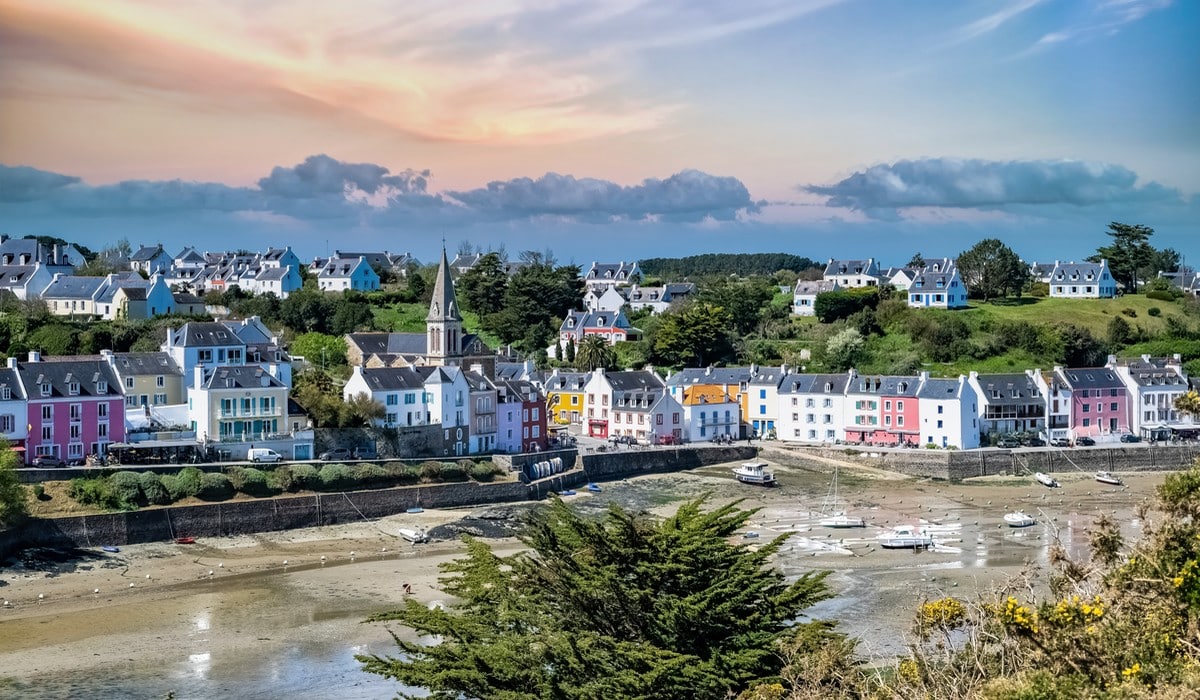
point(311, 510)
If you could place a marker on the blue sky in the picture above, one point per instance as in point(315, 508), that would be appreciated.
point(612, 130)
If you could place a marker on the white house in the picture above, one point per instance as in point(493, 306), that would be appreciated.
point(635, 392)
point(811, 408)
point(938, 285)
point(949, 412)
point(203, 342)
point(150, 259)
point(609, 299)
point(448, 396)
point(340, 274)
point(14, 426)
point(899, 277)
point(25, 281)
point(400, 390)
point(280, 281)
point(658, 299)
point(762, 399)
point(601, 275)
point(1082, 281)
point(280, 257)
point(804, 296)
point(709, 413)
point(852, 273)
point(1154, 385)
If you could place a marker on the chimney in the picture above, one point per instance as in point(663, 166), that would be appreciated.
point(198, 376)
point(35, 356)
point(273, 370)
point(12, 363)
point(107, 355)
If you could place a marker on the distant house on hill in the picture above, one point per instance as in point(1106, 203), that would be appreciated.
point(852, 273)
point(1082, 281)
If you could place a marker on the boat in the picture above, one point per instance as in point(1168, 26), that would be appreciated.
point(415, 509)
point(838, 518)
point(566, 492)
point(751, 535)
point(1046, 480)
point(111, 549)
point(414, 536)
point(185, 540)
point(905, 537)
point(593, 488)
point(1109, 478)
point(1018, 518)
point(754, 473)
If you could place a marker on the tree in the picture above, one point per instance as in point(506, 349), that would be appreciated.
point(1120, 333)
point(696, 335)
point(836, 305)
point(1189, 404)
point(991, 269)
point(320, 350)
point(360, 410)
point(744, 300)
point(621, 607)
point(536, 300)
point(14, 497)
point(916, 262)
point(1129, 252)
point(594, 352)
point(481, 289)
point(1080, 348)
point(570, 356)
point(845, 349)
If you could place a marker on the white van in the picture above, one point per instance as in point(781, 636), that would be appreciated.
point(262, 454)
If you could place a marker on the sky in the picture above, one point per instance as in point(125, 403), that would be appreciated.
point(605, 131)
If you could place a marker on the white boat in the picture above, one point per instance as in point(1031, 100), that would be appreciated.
point(1109, 478)
point(414, 536)
point(754, 473)
point(905, 537)
point(838, 518)
point(750, 535)
point(1046, 480)
point(1019, 518)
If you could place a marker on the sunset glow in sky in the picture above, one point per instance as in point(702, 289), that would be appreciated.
point(602, 129)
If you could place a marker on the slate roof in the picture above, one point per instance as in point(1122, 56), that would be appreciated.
point(1076, 272)
point(9, 378)
point(1093, 378)
point(144, 363)
point(272, 274)
point(938, 389)
point(132, 293)
point(611, 271)
point(797, 383)
point(768, 376)
point(146, 253)
point(199, 334)
point(241, 377)
point(15, 275)
point(935, 275)
point(633, 380)
point(566, 381)
point(443, 305)
point(815, 287)
point(885, 385)
point(73, 287)
point(1023, 385)
point(710, 375)
point(338, 267)
point(60, 373)
point(393, 378)
point(577, 321)
point(849, 267)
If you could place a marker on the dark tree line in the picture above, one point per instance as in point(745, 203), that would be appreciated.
point(526, 308)
point(724, 264)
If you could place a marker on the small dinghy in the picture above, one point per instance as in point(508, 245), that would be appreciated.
point(593, 488)
point(415, 509)
point(1018, 519)
point(751, 535)
point(185, 540)
point(1109, 478)
point(566, 492)
point(414, 536)
point(111, 549)
point(1046, 480)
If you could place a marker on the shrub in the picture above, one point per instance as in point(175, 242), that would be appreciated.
point(431, 470)
point(1131, 313)
point(253, 482)
point(90, 491)
point(153, 490)
point(1160, 295)
point(215, 487)
point(1154, 311)
point(453, 472)
point(371, 476)
point(305, 476)
point(482, 472)
point(281, 479)
point(125, 490)
point(335, 477)
point(39, 492)
point(189, 482)
point(410, 474)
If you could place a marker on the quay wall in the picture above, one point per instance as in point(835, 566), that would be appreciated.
point(310, 510)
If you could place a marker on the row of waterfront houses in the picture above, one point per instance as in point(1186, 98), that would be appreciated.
point(1131, 397)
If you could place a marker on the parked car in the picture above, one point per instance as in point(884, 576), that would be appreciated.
point(262, 454)
point(1130, 437)
point(1085, 441)
point(337, 454)
point(1060, 442)
point(48, 461)
point(1008, 442)
point(1033, 442)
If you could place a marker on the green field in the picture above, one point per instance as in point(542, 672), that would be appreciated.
point(1093, 314)
point(410, 318)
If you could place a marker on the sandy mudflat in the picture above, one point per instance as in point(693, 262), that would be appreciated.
point(257, 624)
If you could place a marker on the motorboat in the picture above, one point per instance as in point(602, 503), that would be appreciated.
point(1109, 478)
point(905, 537)
point(593, 487)
point(1046, 480)
point(413, 535)
point(111, 549)
point(1019, 518)
point(841, 521)
point(754, 473)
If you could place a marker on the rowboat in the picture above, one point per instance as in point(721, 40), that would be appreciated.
point(185, 540)
point(1018, 519)
point(593, 488)
point(414, 536)
point(111, 549)
point(1109, 478)
point(1046, 480)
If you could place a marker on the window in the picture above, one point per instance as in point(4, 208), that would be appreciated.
point(45, 388)
point(102, 410)
point(410, 398)
point(73, 388)
point(827, 403)
point(887, 420)
point(1112, 392)
point(900, 421)
point(76, 429)
point(204, 355)
point(76, 411)
point(762, 393)
point(939, 427)
point(1087, 421)
point(675, 418)
point(887, 405)
point(101, 387)
point(160, 381)
point(535, 414)
point(940, 409)
point(391, 400)
point(128, 382)
point(8, 423)
point(47, 433)
point(899, 405)
point(160, 399)
point(47, 413)
point(75, 449)
point(5, 393)
point(1112, 406)
point(762, 410)
point(1087, 408)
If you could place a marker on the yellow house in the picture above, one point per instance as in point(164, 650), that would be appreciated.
point(147, 378)
point(564, 396)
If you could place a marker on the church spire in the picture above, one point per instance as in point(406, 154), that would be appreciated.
point(444, 305)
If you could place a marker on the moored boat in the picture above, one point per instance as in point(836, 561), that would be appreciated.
point(842, 521)
point(413, 535)
point(1046, 480)
point(185, 540)
point(593, 487)
point(754, 473)
point(1018, 518)
point(111, 549)
point(905, 537)
point(1109, 478)
point(567, 492)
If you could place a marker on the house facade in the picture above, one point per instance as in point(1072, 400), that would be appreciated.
point(147, 378)
point(14, 408)
point(938, 285)
point(150, 260)
point(601, 275)
point(1009, 403)
point(631, 393)
point(612, 327)
point(734, 381)
point(400, 390)
point(762, 400)
point(812, 408)
point(235, 408)
point(342, 274)
point(804, 296)
point(949, 413)
point(520, 417)
point(709, 413)
point(1082, 281)
point(1100, 405)
point(1154, 385)
point(74, 407)
point(852, 273)
point(884, 410)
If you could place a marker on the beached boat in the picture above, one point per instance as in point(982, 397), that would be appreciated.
point(567, 492)
point(593, 488)
point(838, 519)
point(1018, 518)
point(905, 537)
point(111, 549)
point(415, 509)
point(1109, 478)
point(751, 535)
point(754, 473)
point(414, 536)
point(185, 540)
point(1046, 480)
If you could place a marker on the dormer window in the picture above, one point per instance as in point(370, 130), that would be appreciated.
point(45, 389)
point(102, 387)
point(5, 393)
point(73, 388)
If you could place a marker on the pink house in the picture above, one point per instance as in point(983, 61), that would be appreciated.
point(883, 410)
point(1100, 406)
point(75, 406)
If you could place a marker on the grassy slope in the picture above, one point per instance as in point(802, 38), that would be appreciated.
point(410, 318)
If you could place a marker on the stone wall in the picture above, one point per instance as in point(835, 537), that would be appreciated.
point(600, 466)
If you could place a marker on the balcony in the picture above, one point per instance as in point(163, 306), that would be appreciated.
point(276, 412)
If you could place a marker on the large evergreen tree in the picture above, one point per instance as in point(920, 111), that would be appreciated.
point(991, 269)
point(620, 607)
point(1129, 252)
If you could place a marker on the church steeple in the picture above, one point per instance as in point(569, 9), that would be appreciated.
point(443, 323)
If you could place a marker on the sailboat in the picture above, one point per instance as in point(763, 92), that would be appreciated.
point(838, 518)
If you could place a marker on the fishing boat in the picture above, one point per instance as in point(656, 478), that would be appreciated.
point(185, 540)
point(905, 537)
point(838, 518)
point(754, 473)
point(1046, 480)
point(1018, 518)
point(1109, 478)
point(593, 488)
point(111, 549)
point(414, 536)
